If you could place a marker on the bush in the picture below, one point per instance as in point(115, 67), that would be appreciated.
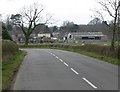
point(100, 50)
point(9, 48)
point(5, 34)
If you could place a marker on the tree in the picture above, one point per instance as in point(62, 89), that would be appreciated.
point(95, 21)
point(9, 24)
point(111, 7)
point(30, 18)
point(0, 26)
point(68, 23)
point(70, 26)
point(5, 34)
point(53, 29)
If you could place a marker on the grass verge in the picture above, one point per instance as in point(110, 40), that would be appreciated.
point(10, 68)
point(113, 60)
point(103, 58)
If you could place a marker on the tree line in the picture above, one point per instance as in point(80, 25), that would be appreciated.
point(32, 18)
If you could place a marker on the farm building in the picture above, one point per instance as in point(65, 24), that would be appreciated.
point(84, 36)
point(44, 35)
point(87, 29)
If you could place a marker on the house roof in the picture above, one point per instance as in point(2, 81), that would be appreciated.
point(87, 34)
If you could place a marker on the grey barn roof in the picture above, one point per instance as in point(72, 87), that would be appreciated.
point(87, 34)
point(96, 28)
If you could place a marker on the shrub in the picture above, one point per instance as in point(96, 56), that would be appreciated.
point(5, 34)
point(9, 48)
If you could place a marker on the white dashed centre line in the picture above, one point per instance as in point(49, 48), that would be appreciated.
point(74, 71)
point(53, 54)
point(89, 83)
point(61, 60)
point(57, 57)
point(66, 64)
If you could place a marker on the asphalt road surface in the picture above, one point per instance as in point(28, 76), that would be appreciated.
point(48, 69)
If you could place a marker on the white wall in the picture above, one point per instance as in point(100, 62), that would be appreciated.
point(46, 35)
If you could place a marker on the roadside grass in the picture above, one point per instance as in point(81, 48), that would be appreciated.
point(94, 55)
point(0, 76)
point(0, 64)
point(107, 43)
point(77, 49)
point(10, 67)
point(101, 43)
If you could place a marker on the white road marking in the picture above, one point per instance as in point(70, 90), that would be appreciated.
point(74, 71)
point(89, 83)
point(61, 60)
point(53, 54)
point(66, 64)
point(50, 53)
point(57, 57)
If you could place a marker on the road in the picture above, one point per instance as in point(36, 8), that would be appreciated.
point(48, 69)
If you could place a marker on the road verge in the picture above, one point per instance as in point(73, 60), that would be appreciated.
point(10, 68)
point(99, 52)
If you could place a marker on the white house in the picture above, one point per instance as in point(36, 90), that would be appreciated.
point(48, 35)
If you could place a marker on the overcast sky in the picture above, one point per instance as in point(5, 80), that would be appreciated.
point(77, 11)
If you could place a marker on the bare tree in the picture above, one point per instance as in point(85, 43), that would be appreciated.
point(30, 18)
point(111, 7)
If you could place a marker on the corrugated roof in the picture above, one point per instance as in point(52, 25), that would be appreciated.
point(87, 34)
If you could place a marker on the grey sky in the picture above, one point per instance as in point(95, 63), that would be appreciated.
point(78, 11)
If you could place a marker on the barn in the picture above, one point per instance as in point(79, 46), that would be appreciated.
point(84, 36)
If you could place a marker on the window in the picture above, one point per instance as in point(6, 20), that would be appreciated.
point(97, 38)
point(84, 38)
point(70, 36)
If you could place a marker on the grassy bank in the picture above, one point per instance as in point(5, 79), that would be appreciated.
point(100, 52)
point(100, 57)
point(9, 48)
point(0, 64)
point(11, 59)
point(10, 67)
